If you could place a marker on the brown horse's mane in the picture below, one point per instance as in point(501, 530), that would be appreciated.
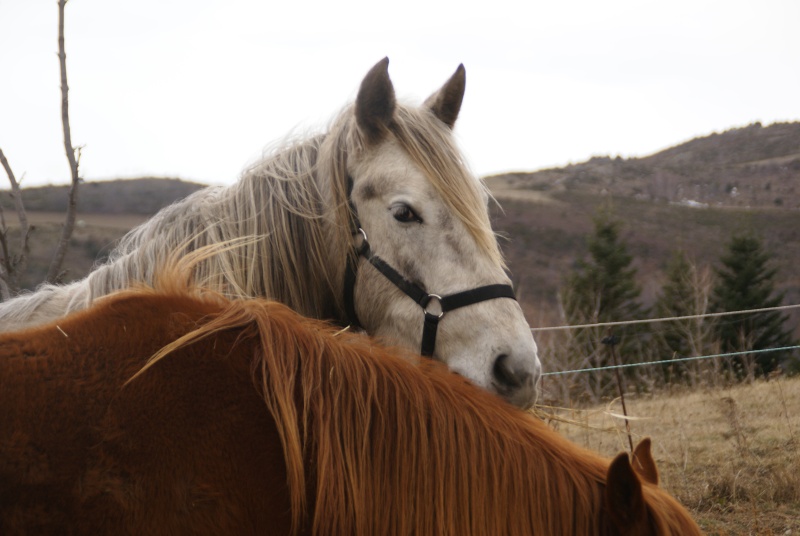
point(368, 429)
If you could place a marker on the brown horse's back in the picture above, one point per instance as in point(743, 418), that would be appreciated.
point(170, 453)
point(259, 418)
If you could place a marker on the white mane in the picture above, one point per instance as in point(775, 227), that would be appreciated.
point(287, 219)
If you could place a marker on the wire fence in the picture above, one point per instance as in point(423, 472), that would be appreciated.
point(668, 319)
point(675, 360)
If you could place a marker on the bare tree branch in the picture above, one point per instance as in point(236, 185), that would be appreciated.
point(14, 268)
point(5, 294)
point(69, 221)
point(5, 259)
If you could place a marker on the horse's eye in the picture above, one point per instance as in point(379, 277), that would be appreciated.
point(404, 214)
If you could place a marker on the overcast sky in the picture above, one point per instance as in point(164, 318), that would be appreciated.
point(197, 89)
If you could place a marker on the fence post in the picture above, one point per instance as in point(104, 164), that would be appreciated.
point(611, 343)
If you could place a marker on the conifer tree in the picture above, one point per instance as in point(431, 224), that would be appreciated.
point(602, 289)
point(685, 293)
point(745, 280)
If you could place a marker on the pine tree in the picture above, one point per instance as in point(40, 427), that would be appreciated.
point(602, 289)
point(686, 292)
point(746, 281)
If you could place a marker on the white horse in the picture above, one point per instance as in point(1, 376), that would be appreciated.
point(297, 225)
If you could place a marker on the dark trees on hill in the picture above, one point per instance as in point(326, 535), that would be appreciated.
point(745, 280)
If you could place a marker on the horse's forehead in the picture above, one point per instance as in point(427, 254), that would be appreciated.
point(389, 168)
point(387, 155)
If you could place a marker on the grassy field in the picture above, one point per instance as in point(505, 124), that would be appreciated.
point(731, 455)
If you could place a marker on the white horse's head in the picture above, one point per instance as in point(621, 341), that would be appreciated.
point(426, 217)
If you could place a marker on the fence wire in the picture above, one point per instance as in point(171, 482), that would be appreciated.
point(667, 361)
point(667, 319)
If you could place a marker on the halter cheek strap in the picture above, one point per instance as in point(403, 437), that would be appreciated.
point(416, 293)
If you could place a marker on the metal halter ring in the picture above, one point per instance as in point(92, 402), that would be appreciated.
point(428, 301)
point(363, 233)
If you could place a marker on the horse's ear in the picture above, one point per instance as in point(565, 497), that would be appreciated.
point(643, 462)
point(446, 103)
point(624, 498)
point(375, 102)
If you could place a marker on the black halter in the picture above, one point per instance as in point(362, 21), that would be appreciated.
point(422, 297)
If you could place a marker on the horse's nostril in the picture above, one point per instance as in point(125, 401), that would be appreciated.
point(506, 376)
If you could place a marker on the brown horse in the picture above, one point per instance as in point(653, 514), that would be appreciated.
point(251, 419)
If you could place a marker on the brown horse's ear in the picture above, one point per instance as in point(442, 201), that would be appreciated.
point(446, 103)
point(375, 102)
point(624, 498)
point(643, 462)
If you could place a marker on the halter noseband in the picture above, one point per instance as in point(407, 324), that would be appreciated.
point(422, 297)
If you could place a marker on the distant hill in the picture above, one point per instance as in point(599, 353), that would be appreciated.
point(753, 166)
point(690, 197)
point(147, 195)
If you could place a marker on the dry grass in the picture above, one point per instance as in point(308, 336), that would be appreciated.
point(730, 455)
point(94, 237)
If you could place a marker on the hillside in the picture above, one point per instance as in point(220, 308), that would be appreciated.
point(753, 166)
point(545, 237)
point(147, 195)
point(691, 197)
